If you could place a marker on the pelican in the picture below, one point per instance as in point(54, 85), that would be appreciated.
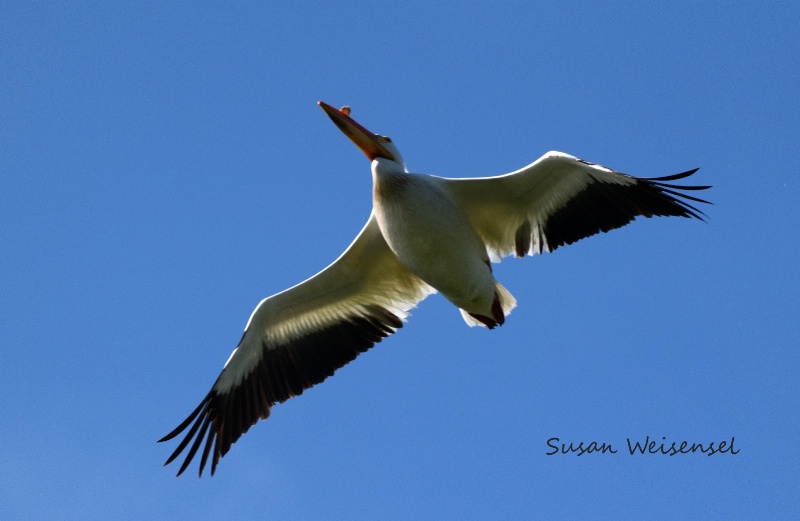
point(426, 234)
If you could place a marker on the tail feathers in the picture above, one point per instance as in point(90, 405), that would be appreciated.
point(503, 303)
point(507, 300)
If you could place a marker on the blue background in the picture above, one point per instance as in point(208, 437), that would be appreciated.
point(163, 168)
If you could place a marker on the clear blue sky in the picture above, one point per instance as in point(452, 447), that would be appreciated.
point(162, 169)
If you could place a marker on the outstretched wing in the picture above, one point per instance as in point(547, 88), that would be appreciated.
point(299, 337)
point(560, 199)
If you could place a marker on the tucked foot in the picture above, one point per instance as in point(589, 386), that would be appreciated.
point(497, 313)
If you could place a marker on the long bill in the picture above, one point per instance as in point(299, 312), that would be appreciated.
point(368, 142)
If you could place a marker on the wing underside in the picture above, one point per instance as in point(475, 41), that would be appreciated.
point(297, 338)
point(561, 199)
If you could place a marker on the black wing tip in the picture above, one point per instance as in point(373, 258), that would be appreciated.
point(202, 416)
point(189, 419)
point(673, 177)
point(609, 205)
point(284, 371)
point(676, 195)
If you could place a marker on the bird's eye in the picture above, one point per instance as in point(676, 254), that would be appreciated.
point(385, 139)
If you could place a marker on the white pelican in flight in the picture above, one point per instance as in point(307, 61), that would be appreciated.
point(425, 234)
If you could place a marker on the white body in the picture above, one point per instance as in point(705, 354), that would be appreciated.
point(432, 237)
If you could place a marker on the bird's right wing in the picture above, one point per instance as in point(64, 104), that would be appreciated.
point(560, 199)
point(297, 338)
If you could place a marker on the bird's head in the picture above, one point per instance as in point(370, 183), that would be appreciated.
point(374, 146)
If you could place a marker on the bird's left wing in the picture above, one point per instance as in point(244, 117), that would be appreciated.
point(560, 199)
point(299, 337)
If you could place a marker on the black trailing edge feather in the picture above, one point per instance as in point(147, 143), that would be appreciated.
point(284, 371)
point(604, 206)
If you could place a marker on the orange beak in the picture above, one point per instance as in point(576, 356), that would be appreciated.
point(368, 142)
